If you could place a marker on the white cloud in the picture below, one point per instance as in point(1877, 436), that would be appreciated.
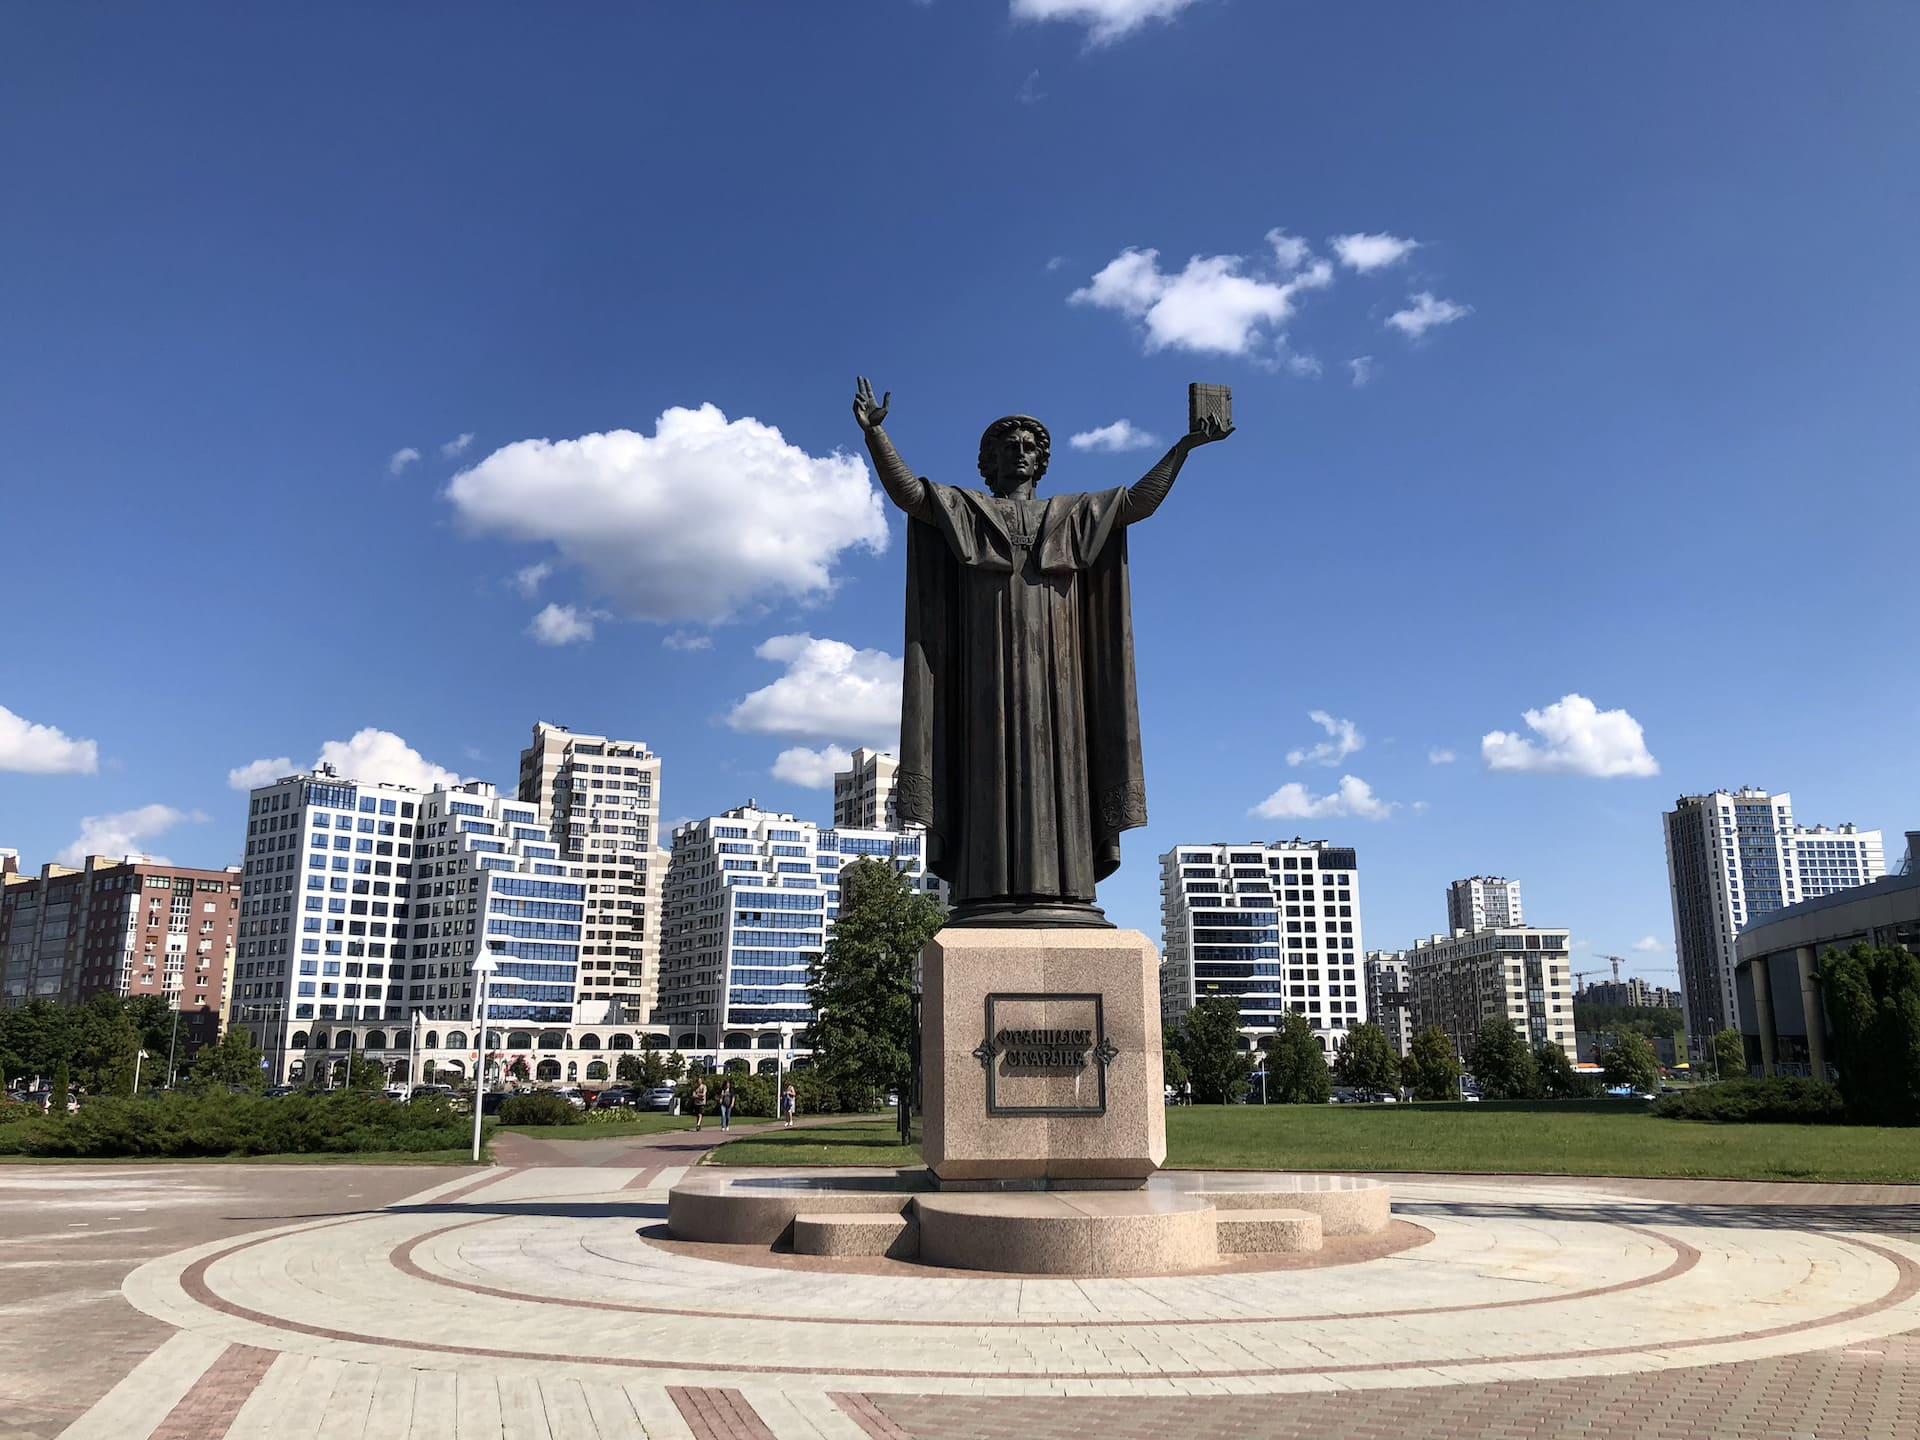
point(1353, 796)
point(259, 772)
point(1363, 369)
point(1575, 737)
point(123, 833)
point(1423, 312)
point(458, 445)
point(687, 640)
point(1367, 253)
point(1650, 944)
point(29, 749)
point(563, 625)
point(1344, 738)
point(1030, 91)
point(1290, 252)
point(1120, 435)
point(401, 458)
point(829, 691)
point(529, 578)
point(1216, 305)
point(375, 756)
point(1106, 20)
point(697, 521)
point(1054, 262)
point(1305, 366)
point(1439, 755)
point(811, 769)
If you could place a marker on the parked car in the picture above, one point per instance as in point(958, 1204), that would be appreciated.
point(614, 1097)
point(429, 1092)
point(572, 1094)
point(664, 1098)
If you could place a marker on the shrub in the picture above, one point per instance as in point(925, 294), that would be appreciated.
point(217, 1122)
point(1780, 1100)
point(539, 1108)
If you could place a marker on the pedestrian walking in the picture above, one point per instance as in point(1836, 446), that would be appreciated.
point(789, 1102)
point(726, 1101)
point(699, 1098)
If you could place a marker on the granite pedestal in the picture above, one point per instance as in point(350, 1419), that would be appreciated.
point(1040, 1055)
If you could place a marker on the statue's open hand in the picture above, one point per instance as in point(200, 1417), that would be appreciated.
point(866, 409)
point(1209, 430)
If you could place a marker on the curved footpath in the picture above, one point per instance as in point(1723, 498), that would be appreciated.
point(540, 1298)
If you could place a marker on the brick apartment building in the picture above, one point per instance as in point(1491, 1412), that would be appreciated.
point(119, 927)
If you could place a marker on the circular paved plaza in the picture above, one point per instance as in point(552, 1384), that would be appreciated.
point(546, 1301)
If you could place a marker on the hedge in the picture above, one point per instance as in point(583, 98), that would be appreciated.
point(539, 1108)
point(221, 1123)
point(1781, 1099)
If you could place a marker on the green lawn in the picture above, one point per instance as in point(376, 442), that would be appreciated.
point(627, 1126)
point(859, 1142)
point(1462, 1139)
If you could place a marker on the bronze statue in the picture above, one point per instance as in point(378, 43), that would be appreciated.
point(1019, 731)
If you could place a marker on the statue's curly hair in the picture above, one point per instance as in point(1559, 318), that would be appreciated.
point(1008, 423)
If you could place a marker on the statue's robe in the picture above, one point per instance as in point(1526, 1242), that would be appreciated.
point(1020, 733)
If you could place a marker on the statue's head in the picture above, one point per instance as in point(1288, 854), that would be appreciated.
point(1013, 453)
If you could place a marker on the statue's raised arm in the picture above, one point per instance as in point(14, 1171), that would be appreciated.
point(1146, 493)
point(903, 487)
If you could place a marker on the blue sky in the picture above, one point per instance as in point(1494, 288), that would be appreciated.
point(1650, 441)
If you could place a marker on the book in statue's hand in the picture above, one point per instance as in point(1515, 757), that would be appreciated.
point(1209, 402)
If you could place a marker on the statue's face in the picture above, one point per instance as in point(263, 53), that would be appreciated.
point(1017, 457)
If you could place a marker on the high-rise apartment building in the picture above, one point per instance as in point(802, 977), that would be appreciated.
point(326, 885)
point(600, 799)
point(364, 902)
point(1389, 1002)
point(751, 898)
point(1484, 902)
point(487, 873)
point(1734, 858)
point(123, 927)
point(1520, 973)
point(1276, 926)
point(863, 792)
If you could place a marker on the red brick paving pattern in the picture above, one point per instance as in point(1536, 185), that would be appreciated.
point(207, 1410)
point(1864, 1392)
point(718, 1414)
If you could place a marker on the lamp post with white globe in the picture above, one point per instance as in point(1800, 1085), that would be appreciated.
point(484, 965)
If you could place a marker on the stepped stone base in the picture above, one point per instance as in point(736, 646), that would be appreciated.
point(1062, 1233)
point(897, 1237)
point(1176, 1225)
point(1266, 1232)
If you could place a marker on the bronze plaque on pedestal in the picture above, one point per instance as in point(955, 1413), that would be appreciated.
point(1046, 1055)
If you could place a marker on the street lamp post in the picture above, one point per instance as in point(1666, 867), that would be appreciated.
point(483, 967)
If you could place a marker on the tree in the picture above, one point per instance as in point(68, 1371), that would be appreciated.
point(232, 1060)
point(35, 1036)
point(1208, 1042)
point(676, 1067)
point(862, 984)
point(1366, 1060)
point(1297, 1064)
point(1502, 1063)
point(653, 1069)
point(155, 1021)
point(57, 1102)
point(1558, 1079)
point(737, 1066)
point(517, 1068)
point(627, 1071)
point(1872, 999)
point(101, 1042)
point(1431, 1069)
point(1631, 1062)
point(1729, 1055)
